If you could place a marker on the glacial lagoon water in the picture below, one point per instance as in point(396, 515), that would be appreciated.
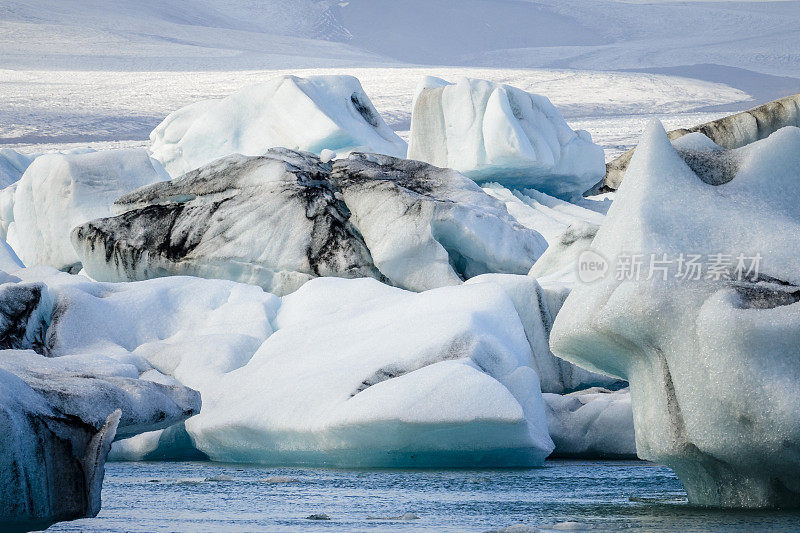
point(564, 495)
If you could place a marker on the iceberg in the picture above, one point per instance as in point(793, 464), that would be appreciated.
point(497, 133)
point(308, 114)
point(710, 350)
point(60, 191)
point(7, 208)
point(428, 227)
point(385, 377)
point(595, 423)
point(58, 418)
point(558, 265)
point(537, 308)
point(281, 219)
point(12, 166)
point(733, 131)
point(546, 214)
point(25, 310)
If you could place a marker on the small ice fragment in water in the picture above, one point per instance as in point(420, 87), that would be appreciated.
point(220, 478)
point(280, 479)
point(571, 526)
point(404, 516)
point(516, 528)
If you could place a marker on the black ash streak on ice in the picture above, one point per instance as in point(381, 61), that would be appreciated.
point(18, 303)
point(176, 227)
point(730, 132)
point(172, 227)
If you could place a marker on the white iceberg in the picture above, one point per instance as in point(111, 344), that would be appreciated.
point(60, 191)
point(592, 423)
point(340, 372)
point(309, 114)
point(13, 165)
point(7, 208)
point(496, 133)
point(281, 219)
point(710, 350)
point(537, 308)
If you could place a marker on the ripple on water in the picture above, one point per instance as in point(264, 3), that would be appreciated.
point(562, 496)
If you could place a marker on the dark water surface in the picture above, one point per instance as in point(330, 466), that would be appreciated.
point(564, 495)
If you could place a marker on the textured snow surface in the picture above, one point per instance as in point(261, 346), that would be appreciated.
point(712, 362)
point(495, 132)
point(310, 114)
point(281, 219)
point(594, 423)
point(341, 372)
point(60, 191)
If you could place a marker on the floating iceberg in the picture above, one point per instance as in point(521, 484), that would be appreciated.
point(710, 350)
point(733, 131)
point(60, 191)
point(58, 417)
point(385, 377)
point(537, 308)
point(592, 423)
point(428, 227)
point(309, 114)
point(12, 166)
point(281, 219)
point(496, 133)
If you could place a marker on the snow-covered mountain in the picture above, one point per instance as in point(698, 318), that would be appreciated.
point(171, 35)
point(258, 34)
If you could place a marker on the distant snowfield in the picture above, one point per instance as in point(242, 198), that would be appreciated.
point(68, 109)
point(105, 72)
